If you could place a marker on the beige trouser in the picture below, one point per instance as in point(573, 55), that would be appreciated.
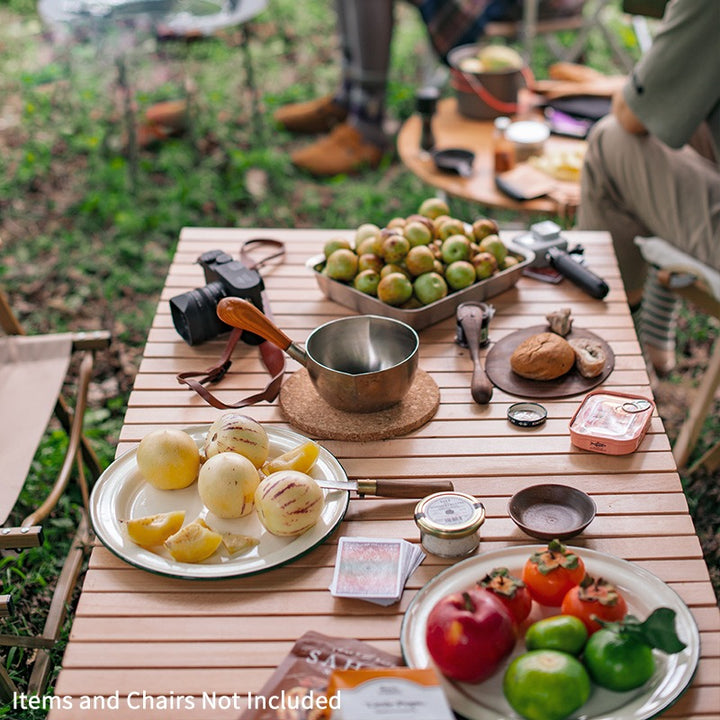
point(634, 185)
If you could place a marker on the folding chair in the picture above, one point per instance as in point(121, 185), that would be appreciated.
point(530, 27)
point(33, 370)
point(699, 284)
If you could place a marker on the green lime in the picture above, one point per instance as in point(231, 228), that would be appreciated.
point(559, 632)
point(546, 685)
point(618, 661)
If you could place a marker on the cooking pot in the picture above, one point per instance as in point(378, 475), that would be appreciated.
point(359, 364)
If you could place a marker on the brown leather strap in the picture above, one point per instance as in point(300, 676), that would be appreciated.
point(272, 356)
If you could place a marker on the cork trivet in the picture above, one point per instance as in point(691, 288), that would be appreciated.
point(307, 411)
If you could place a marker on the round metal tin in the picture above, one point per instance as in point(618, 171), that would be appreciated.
point(527, 414)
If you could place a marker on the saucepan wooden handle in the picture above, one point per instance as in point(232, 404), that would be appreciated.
point(402, 488)
point(243, 314)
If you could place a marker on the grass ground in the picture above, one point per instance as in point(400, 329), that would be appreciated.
point(88, 234)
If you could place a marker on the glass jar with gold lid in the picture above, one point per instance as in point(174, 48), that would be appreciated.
point(449, 523)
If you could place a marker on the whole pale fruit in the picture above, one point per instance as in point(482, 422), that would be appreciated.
point(460, 274)
point(235, 432)
point(485, 265)
point(430, 287)
point(168, 459)
point(482, 227)
point(420, 260)
point(367, 282)
point(370, 261)
point(394, 289)
point(395, 248)
point(289, 502)
point(370, 245)
point(227, 485)
point(335, 244)
point(342, 265)
point(364, 231)
point(394, 268)
point(493, 244)
point(450, 227)
point(417, 233)
point(433, 207)
point(396, 222)
point(456, 247)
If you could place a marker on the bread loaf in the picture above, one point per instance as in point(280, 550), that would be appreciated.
point(589, 356)
point(544, 356)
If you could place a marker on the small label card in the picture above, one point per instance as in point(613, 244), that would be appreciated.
point(374, 569)
point(388, 694)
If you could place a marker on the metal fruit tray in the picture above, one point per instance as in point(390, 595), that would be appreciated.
point(419, 318)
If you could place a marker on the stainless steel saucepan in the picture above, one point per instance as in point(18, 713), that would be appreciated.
point(359, 364)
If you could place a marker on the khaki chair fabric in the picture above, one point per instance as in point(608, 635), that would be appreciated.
point(33, 370)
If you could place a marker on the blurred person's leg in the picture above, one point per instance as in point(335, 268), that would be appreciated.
point(634, 185)
point(368, 31)
point(366, 28)
point(320, 115)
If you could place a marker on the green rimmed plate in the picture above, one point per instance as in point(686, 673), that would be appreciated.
point(643, 592)
point(121, 494)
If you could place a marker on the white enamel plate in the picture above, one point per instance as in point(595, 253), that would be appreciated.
point(122, 494)
point(643, 592)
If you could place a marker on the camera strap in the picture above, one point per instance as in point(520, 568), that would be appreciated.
point(273, 357)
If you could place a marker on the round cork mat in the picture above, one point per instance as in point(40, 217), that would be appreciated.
point(307, 411)
point(497, 367)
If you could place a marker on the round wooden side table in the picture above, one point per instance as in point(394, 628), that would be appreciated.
point(451, 129)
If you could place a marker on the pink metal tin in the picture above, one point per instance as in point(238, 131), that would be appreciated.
point(611, 423)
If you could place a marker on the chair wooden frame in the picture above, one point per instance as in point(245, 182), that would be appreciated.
point(79, 454)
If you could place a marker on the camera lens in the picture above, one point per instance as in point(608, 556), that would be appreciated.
point(194, 313)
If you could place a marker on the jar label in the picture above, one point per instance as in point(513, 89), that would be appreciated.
point(446, 511)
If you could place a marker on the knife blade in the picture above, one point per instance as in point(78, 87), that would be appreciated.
point(388, 488)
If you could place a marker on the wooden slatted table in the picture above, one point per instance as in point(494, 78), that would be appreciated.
point(136, 632)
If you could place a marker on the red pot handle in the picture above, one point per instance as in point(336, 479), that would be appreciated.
point(463, 81)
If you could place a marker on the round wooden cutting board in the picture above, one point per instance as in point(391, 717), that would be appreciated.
point(497, 367)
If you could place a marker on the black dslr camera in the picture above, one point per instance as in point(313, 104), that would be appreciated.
point(194, 313)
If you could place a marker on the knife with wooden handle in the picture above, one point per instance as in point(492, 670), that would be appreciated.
point(389, 488)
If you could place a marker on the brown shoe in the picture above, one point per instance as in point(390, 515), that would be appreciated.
point(344, 151)
point(313, 116)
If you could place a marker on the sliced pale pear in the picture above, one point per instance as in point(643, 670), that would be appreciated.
point(154, 530)
point(236, 543)
point(193, 543)
point(300, 458)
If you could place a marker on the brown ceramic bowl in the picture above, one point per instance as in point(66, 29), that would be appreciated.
point(551, 511)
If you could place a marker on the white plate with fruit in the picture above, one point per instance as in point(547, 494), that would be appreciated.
point(643, 593)
point(186, 539)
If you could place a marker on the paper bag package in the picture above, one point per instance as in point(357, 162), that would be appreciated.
point(298, 686)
